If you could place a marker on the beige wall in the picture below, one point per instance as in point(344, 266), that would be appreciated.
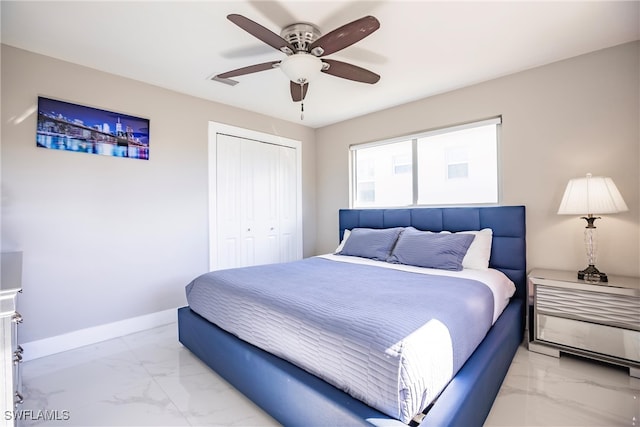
point(560, 121)
point(106, 238)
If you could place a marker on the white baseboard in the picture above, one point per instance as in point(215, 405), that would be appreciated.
point(82, 337)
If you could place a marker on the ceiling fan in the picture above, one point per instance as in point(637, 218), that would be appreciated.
point(305, 46)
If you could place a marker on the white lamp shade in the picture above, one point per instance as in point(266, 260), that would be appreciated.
point(591, 195)
point(301, 67)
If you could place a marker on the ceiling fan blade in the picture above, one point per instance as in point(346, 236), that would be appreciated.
point(297, 92)
point(262, 33)
point(350, 71)
point(345, 36)
point(248, 70)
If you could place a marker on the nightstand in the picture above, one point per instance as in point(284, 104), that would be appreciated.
point(596, 320)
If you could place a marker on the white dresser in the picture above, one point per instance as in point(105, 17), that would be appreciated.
point(10, 351)
point(596, 320)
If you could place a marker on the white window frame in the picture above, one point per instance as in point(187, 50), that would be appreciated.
point(414, 138)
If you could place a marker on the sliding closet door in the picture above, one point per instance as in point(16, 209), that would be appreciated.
point(256, 202)
point(288, 204)
point(229, 175)
point(259, 203)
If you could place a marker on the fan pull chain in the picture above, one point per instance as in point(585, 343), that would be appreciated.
point(301, 101)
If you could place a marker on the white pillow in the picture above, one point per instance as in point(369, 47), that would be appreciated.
point(479, 252)
point(345, 236)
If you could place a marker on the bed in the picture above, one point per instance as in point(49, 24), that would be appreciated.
point(294, 396)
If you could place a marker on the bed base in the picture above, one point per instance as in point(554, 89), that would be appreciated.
point(294, 397)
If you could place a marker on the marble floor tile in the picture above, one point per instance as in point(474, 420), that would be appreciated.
point(87, 381)
point(207, 400)
point(541, 390)
point(150, 379)
point(143, 379)
point(142, 404)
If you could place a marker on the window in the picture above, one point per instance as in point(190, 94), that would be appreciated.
point(457, 165)
point(457, 162)
point(402, 164)
point(383, 175)
point(457, 170)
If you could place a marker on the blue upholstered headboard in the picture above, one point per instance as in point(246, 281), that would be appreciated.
point(508, 251)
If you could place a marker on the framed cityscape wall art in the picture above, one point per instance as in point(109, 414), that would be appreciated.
point(72, 127)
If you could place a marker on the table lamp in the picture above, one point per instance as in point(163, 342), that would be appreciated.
point(590, 196)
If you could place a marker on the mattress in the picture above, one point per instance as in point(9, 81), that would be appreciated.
point(500, 285)
point(392, 339)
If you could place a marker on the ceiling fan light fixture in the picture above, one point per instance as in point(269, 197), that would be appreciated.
point(301, 67)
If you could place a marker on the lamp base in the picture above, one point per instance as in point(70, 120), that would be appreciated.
point(591, 272)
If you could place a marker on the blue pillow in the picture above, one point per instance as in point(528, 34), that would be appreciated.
point(432, 250)
point(371, 242)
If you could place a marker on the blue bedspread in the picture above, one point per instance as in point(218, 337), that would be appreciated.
point(390, 338)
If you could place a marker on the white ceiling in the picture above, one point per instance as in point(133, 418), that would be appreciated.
point(422, 47)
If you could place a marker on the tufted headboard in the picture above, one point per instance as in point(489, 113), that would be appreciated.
point(508, 250)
